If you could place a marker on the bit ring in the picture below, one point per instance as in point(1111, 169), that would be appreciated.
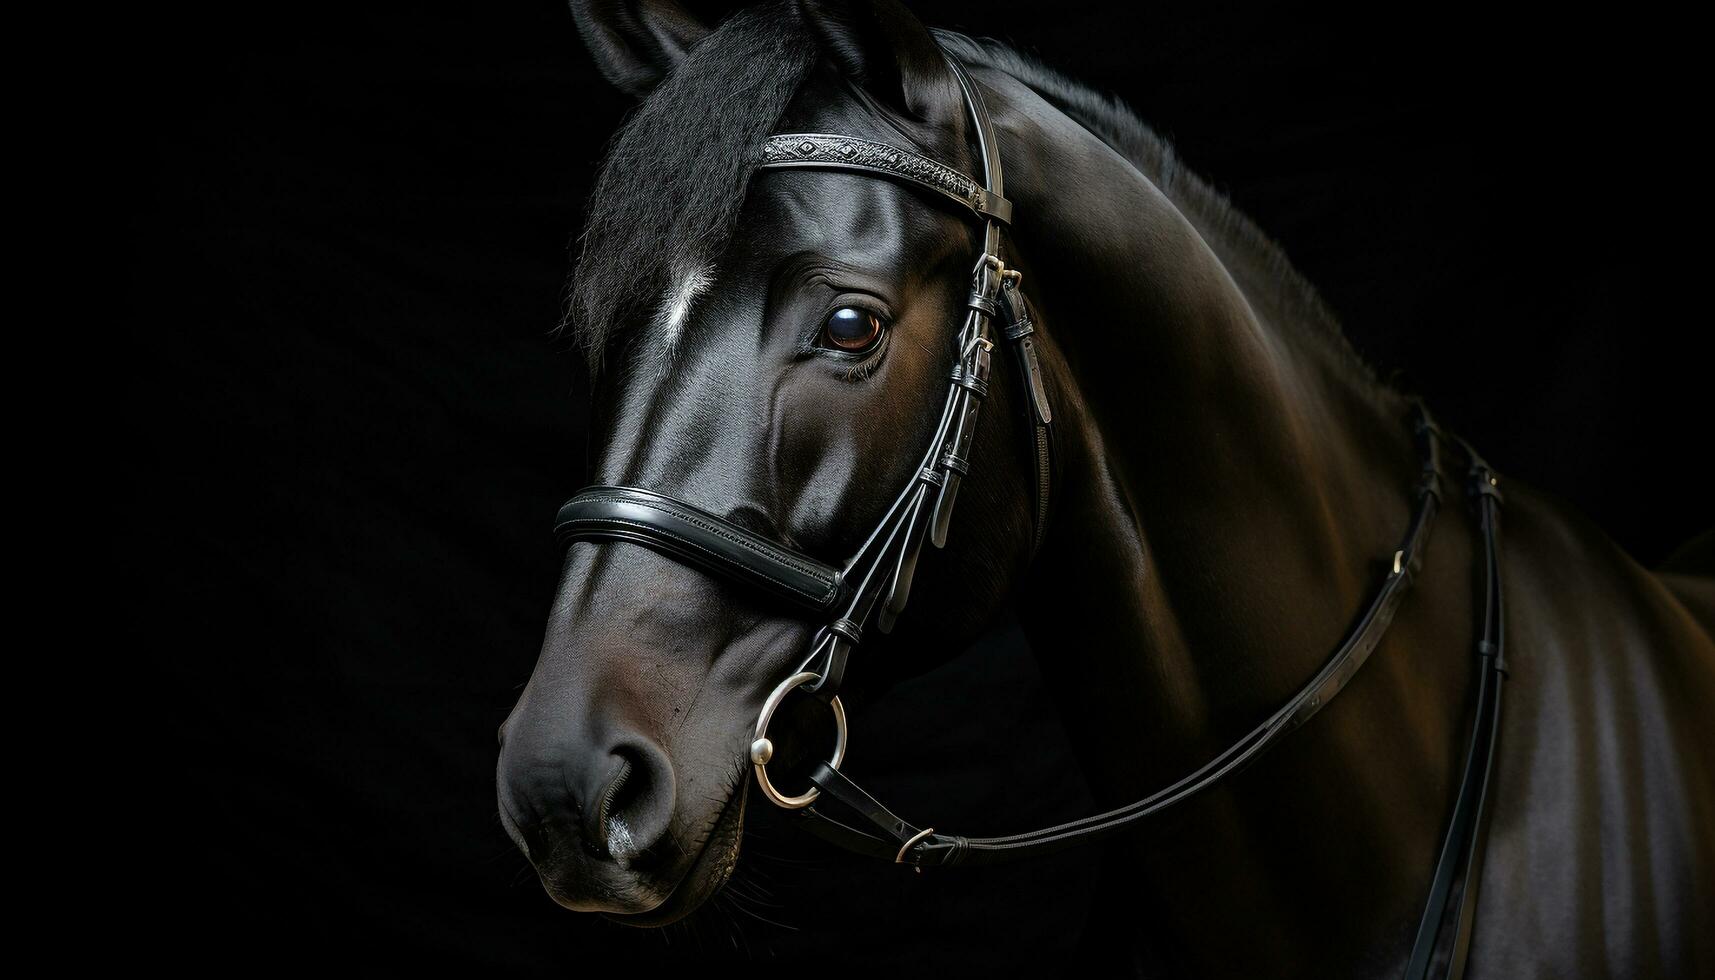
point(762, 749)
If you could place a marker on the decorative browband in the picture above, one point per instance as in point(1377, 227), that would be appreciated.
point(819, 151)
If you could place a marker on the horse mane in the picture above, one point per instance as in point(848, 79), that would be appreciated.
point(1231, 233)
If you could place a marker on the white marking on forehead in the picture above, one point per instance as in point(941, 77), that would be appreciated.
point(676, 305)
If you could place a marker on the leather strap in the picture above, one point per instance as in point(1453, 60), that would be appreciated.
point(941, 849)
point(864, 825)
point(1462, 847)
point(1020, 331)
point(696, 537)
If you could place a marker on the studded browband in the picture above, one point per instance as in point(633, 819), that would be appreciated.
point(819, 151)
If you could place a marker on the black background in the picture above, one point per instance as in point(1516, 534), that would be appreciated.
point(351, 423)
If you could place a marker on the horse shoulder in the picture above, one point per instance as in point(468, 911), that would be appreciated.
point(1600, 859)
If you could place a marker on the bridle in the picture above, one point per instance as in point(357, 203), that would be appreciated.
point(876, 582)
point(873, 585)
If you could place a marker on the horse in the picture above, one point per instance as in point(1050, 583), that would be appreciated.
point(1228, 481)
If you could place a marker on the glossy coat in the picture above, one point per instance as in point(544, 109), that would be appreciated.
point(1230, 479)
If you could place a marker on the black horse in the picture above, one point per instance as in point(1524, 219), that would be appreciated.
point(769, 348)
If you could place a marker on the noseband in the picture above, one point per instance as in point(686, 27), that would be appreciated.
point(873, 585)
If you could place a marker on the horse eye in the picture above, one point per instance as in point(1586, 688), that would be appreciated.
point(852, 330)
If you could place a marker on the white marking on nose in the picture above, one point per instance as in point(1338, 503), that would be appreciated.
point(619, 843)
point(676, 305)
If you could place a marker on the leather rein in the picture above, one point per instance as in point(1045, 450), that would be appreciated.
point(874, 584)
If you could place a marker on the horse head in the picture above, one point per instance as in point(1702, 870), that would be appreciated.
point(771, 348)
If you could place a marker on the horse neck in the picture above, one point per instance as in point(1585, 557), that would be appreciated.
point(1229, 480)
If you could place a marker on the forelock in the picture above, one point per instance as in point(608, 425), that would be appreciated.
point(673, 182)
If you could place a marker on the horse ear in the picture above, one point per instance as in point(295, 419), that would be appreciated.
point(886, 50)
point(636, 42)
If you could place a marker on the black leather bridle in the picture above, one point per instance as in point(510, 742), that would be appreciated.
point(874, 584)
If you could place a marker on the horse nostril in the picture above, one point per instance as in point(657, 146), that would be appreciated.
point(633, 810)
point(615, 832)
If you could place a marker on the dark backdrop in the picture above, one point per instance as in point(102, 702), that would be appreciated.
point(351, 424)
